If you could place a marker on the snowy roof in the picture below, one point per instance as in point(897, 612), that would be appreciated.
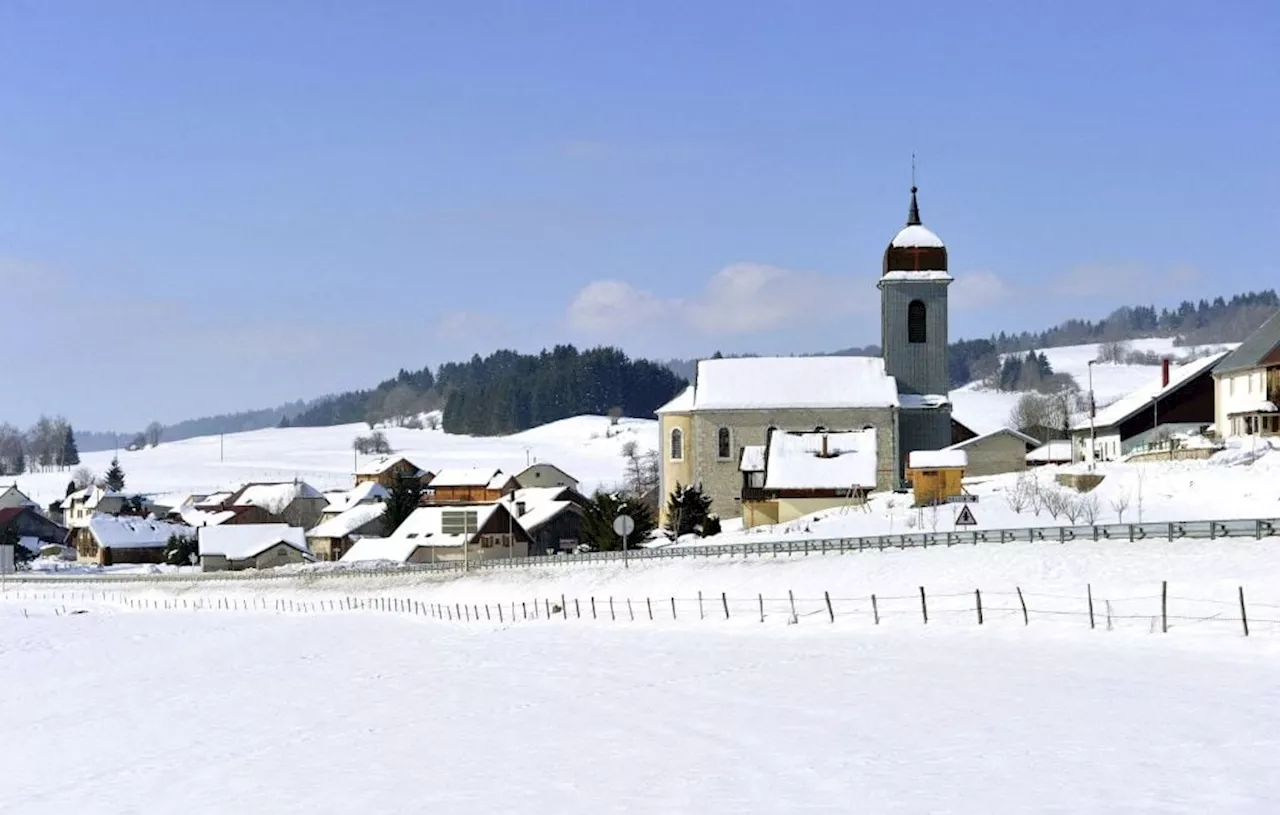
point(174, 500)
point(244, 541)
point(201, 517)
point(682, 403)
point(793, 382)
point(425, 526)
point(215, 499)
point(274, 498)
point(1052, 451)
point(382, 465)
point(917, 235)
point(371, 549)
point(906, 275)
point(538, 514)
point(937, 459)
point(364, 493)
point(537, 495)
point(1259, 406)
point(1006, 431)
point(113, 532)
point(91, 496)
point(1117, 412)
point(476, 477)
point(915, 401)
point(26, 501)
point(1257, 346)
point(813, 461)
point(348, 521)
point(752, 459)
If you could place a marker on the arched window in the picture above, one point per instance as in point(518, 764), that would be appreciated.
point(677, 444)
point(916, 331)
point(724, 444)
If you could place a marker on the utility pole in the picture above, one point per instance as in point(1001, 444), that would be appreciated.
point(1093, 433)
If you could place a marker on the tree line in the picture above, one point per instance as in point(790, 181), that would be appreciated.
point(49, 444)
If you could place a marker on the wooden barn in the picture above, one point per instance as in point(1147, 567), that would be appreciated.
point(936, 476)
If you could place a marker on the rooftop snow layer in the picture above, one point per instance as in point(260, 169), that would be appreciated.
point(922, 275)
point(274, 498)
point(752, 459)
point(365, 493)
point(538, 514)
point(1050, 452)
point(916, 235)
point(349, 521)
point(937, 459)
point(458, 477)
point(795, 461)
point(682, 403)
point(425, 526)
point(244, 541)
point(1141, 398)
point(382, 465)
point(793, 382)
point(113, 532)
point(395, 550)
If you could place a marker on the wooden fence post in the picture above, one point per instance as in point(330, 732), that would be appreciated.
point(830, 611)
point(701, 616)
point(924, 606)
point(795, 618)
point(1244, 616)
point(524, 610)
point(761, 596)
point(977, 593)
point(593, 606)
point(564, 607)
point(649, 603)
point(1025, 619)
point(546, 604)
point(612, 616)
point(1164, 607)
point(1089, 588)
point(875, 609)
point(630, 611)
point(673, 608)
point(725, 600)
point(500, 614)
point(577, 609)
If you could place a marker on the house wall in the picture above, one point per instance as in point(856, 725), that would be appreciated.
point(567, 526)
point(304, 512)
point(31, 524)
point(388, 479)
point(1107, 442)
point(1191, 405)
point(674, 472)
point(335, 548)
point(463, 495)
point(109, 556)
point(281, 554)
point(1241, 391)
point(930, 486)
point(720, 478)
point(785, 510)
point(1001, 453)
point(546, 475)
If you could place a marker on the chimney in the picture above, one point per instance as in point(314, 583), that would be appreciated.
point(519, 509)
point(825, 452)
point(1164, 372)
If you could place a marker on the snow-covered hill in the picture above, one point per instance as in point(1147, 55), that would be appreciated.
point(587, 447)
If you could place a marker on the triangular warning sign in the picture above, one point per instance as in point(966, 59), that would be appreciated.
point(965, 518)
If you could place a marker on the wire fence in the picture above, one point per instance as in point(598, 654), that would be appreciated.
point(1253, 528)
point(1159, 612)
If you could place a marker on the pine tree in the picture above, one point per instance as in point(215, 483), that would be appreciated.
point(401, 503)
point(70, 453)
point(180, 550)
point(599, 515)
point(71, 487)
point(688, 512)
point(114, 479)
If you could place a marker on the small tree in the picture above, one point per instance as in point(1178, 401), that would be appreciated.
point(1016, 497)
point(1071, 507)
point(599, 515)
point(405, 495)
point(70, 452)
point(71, 487)
point(1035, 495)
point(114, 479)
point(1120, 503)
point(1054, 502)
point(687, 511)
point(82, 477)
point(181, 550)
point(9, 536)
point(153, 433)
point(1089, 508)
point(615, 415)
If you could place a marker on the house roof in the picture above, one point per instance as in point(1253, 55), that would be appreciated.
point(275, 498)
point(363, 493)
point(9, 513)
point(682, 403)
point(382, 465)
point(349, 521)
point(492, 479)
point(949, 458)
point(1051, 451)
point(537, 515)
point(1003, 431)
point(396, 550)
point(91, 496)
point(1141, 398)
point(796, 461)
point(193, 516)
point(216, 499)
point(913, 235)
point(752, 460)
point(26, 501)
point(244, 541)
point(753, 383)
point(543, 464)
point(1258, 346)
point(113, 532)
point(425, 525)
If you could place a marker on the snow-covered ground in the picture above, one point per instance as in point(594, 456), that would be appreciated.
point(585, 446)
point(117, 711)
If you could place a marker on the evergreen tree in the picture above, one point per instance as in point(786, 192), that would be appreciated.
point(114, 479)
point(401, 503)
point(180, 550)
point(9, 536)
point(688, 511)
point(599, 515)
point(71, 487)
point(70, 453)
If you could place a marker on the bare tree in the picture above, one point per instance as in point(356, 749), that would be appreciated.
point(892, 506)
point(1016, 497)
point(1089, 508)
point(630, 450)
point(1035, 495)
point(83, 477)
point(1120, 503)
point(1141, 479)
point(433, 420)
point(615, 414)
point(1072, 507)
point(1054, 502)
point(153, 433)
point(933, 517)
point(1041, 410)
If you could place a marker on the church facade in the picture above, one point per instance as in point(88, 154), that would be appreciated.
point(733, 404)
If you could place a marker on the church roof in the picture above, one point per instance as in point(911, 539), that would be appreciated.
point(756, 383)
point(916, 235)
point(916, 248)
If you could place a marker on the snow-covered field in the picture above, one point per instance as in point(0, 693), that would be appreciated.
point(585, 446)
point(122, 712)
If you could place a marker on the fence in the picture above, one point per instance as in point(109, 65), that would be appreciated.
point(1159, 612)
point(1172, 530)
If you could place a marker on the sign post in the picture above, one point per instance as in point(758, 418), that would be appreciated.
point(624, 525)
point(965, 518)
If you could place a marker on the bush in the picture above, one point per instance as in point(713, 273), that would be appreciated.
point(180, 550)
point(688, 512)
point(373, 444)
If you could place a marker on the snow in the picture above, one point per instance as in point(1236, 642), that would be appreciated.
point(465, 478)
point(424, 526)
point(915, 401)
point(902, 275)
point(752, 459)
point(682, 403)
point(244, 541)
point(916, 235)
point(362, 493)
point(796, 461)
point(349, 521)
point(937, 459)
point(960, 445)
point(201, 517)
point(382, 465)
point(125, 532)
point(793, 382)
point(1051, 452)
point(538, 514)
point(1261, 406)
point(275, 498)
point(1142, 397)
point(372, 550)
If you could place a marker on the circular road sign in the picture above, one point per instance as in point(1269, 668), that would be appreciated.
point(624, 525)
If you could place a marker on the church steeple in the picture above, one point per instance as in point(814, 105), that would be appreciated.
point(913, 214)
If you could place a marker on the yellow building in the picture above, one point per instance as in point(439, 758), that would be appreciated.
point(936, 475)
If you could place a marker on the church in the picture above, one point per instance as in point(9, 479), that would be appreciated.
point(720, 432)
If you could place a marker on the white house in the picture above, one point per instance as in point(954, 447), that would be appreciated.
point(1247, 385)
point(251, 546)
point(442, 533)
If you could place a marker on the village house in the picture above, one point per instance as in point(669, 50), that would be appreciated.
point(544, 474)
point(80, 506)
point(251, 546)
point(34, 529)
point(1247, 385)
point(1178, 400)
point(439, 534)
point(473, 486)
point(795, 474)
point(333, 537)
point(11, 497)
point(366, 492)
point(295, 503)
point(552, 517)
point(387, 470)
point(999, 451)
point(110, 540)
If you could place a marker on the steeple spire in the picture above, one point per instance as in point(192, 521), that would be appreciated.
point(913, 214)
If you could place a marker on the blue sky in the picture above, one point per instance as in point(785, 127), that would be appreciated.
point(207, 206)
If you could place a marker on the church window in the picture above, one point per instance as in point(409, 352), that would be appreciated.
point(916, 322)
point(677, 445)
point(724, 444)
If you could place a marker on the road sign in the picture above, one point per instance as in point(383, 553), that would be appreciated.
point(624, 525)
point(965, 518)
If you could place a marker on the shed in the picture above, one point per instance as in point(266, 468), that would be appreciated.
point(251, 546)
point(936, 475)
point(1051, 452)
point(332, 538)
point(1000, 451)
point(112, 540)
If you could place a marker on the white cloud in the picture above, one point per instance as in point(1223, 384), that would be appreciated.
point(608, 306)
point(974, 290)
point(1112, 279)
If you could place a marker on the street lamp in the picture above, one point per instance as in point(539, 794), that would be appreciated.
point(1093, 433)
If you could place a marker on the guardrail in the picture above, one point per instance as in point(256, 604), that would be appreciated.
point(1255, 528)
